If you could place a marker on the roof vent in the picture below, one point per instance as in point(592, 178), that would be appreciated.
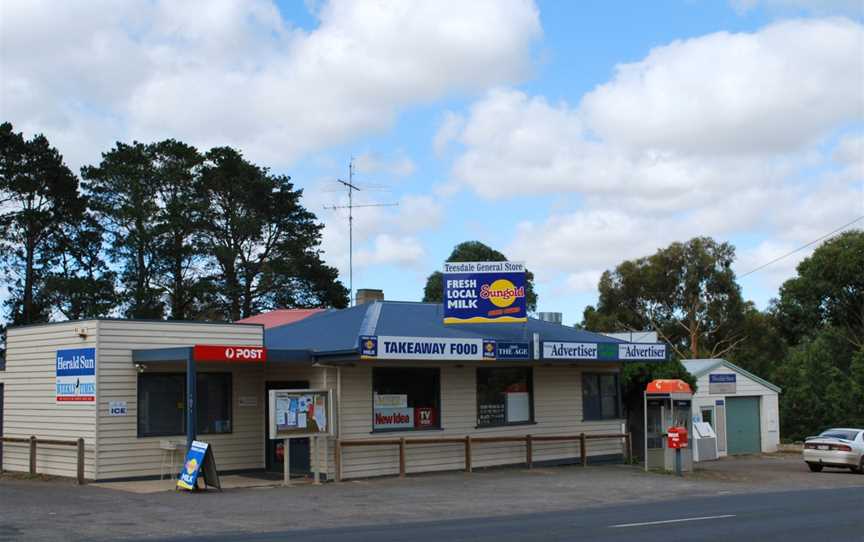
point(367, 295)
point(554, 317)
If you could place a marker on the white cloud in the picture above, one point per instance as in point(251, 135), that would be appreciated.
point(390, 249)
point(774, 90)
point(235, 72)
point(398, 166)
point(449, 129)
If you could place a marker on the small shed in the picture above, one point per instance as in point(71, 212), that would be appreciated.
point(741, 407)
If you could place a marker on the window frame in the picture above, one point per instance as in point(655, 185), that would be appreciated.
point(531, 420)
point(619, 411)
point(182, 376)
point(439, 426)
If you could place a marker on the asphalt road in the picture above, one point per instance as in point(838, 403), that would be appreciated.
point(809, 515)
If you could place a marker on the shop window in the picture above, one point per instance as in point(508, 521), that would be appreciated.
point(162, 404)
point(405, 399)
point(601, 398)
point(504, 396)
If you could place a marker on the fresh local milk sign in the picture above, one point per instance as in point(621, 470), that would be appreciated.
point(484, 292)
point(76, 375)
point(604, 351)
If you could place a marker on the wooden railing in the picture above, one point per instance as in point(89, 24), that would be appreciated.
point(468, 442)
point(34, 442)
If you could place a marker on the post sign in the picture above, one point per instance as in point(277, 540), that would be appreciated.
point(229, 354)
point(76, 375)
point(484, 293)
point(722, 384)
point(300, 413)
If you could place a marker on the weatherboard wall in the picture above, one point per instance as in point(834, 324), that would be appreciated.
point(557, 395)
point(30, 406)
point(122, 453)
point(769, 412)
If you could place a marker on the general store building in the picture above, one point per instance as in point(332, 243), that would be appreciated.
point(395, 370)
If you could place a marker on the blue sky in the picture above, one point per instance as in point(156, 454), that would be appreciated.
point(568, 135)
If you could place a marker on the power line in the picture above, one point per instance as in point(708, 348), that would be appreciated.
point(802, 247)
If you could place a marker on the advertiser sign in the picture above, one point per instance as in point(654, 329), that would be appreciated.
point(722, 384)
point(188, 478)
point(604, 351)
point(76, 375)
point(230, 354)
point(484, 292)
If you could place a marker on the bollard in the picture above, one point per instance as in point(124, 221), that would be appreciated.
point(80, 461)
point(529, 452)
point(32, 455)
point(468, 453)
point(583, 452)
point(337, 459)
point(402, 457)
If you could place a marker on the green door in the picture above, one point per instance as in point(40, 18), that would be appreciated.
point(742, 425)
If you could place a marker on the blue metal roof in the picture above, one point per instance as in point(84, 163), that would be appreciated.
point(338, 330)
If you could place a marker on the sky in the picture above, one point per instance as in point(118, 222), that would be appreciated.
point(568, 135)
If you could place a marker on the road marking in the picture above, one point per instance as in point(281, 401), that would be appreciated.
point(703, 518)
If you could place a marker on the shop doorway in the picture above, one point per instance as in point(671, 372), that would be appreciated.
point(299, 452)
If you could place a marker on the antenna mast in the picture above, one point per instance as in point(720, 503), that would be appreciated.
point(349, 184)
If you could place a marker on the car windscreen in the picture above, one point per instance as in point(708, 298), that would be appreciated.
point(839, 433)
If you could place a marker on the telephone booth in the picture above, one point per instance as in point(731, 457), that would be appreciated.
point(668, 414)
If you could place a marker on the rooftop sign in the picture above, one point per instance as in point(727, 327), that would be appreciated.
point(484, 293)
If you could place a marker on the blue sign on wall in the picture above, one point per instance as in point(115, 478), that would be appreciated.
point(192, 466)
point(484, 293)
point(513, 350)
point(76, 375)
point(721, 378)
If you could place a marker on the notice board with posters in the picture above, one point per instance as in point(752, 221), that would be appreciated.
point(300, 413)
point(484, 293)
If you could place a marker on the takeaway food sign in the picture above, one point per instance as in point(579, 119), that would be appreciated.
point(484, 293)
point(440, 348)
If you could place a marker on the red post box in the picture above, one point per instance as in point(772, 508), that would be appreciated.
point(676, 437)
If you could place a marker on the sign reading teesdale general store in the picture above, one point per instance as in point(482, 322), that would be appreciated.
point(484, 292)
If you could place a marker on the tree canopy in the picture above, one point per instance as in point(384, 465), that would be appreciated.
point(474, 251)
point(687, 292)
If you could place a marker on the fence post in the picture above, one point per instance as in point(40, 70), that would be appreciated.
point(468, 453)
point(80, 461)
point(402, 457)
point(337, 459)
point(32, 455)
point(583, 449)
point(529, 452)
point(628, 448)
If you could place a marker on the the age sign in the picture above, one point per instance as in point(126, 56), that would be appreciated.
point(230, 354)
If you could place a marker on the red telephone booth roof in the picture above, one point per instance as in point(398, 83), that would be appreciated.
point(668, 386)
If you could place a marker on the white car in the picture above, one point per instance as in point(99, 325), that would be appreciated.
point(840, 448)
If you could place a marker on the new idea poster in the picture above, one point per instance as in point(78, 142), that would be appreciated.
point(484, 293)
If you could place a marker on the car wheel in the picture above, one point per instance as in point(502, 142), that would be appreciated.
point(860, 468)
point(815, 467)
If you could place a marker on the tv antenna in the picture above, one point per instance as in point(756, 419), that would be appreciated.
point(351, 187)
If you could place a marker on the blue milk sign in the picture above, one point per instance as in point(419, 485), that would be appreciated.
point(192, 466)
point(484, 292)
point(76, 375)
